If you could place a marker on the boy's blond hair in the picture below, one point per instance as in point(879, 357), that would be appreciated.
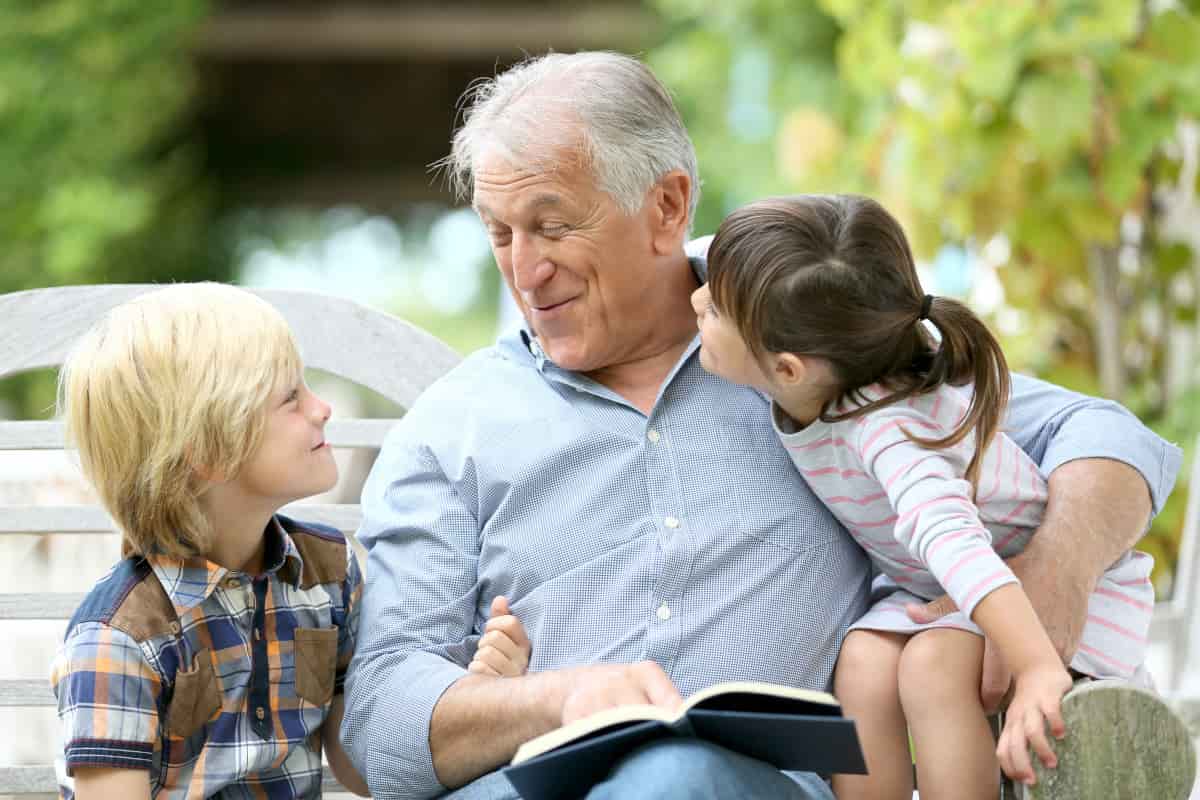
point(173, 381)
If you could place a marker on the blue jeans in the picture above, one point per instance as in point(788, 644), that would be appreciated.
point(687, 769)
point(691, 769)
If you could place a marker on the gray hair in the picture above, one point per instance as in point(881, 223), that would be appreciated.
point(607, 107)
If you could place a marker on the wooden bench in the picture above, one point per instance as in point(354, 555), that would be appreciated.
point(340, 337)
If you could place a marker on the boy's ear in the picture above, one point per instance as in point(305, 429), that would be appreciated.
point(206, 474)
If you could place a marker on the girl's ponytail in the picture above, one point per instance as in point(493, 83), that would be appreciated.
point(968, 352)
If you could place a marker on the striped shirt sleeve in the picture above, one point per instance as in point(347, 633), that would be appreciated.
point(108, 699)
point(936, 517)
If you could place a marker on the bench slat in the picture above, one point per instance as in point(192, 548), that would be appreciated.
point(39, 605)
point(27, 780)
point(1166, 621)
point(40, 780)
point(26, 692)
point(31, 435)
point(93, 519)
point(48, 435)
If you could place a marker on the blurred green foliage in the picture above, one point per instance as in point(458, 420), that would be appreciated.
point(1050, 125)
point(100, 177)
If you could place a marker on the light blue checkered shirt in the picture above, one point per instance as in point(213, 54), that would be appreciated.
point(686, 537)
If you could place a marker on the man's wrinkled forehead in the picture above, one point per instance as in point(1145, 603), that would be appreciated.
point(522, 207)
point(502, 189)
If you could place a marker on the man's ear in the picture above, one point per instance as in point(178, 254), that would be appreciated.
point(670, 201)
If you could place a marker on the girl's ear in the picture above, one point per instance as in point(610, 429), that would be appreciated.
point(789, 369)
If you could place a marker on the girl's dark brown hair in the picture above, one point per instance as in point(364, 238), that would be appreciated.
point(832, 276)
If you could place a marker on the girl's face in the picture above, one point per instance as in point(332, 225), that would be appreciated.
point(723, 352)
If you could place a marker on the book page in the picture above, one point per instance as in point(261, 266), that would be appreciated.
point(761, 693)
point(754, 696)
point(592, 724)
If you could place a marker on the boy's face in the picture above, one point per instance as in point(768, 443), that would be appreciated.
point(293, 459)
point(723, 352)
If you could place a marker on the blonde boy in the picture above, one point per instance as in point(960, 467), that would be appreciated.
point(210, 660)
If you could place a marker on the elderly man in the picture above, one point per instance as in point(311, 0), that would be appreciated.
point(639, 513)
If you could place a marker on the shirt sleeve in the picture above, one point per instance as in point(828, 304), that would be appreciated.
point(419, 608)
point(108, 699)
point(348, 630)
point(1054, 426)
point(935, 518)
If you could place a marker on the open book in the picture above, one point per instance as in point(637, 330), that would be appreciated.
point(793, 729)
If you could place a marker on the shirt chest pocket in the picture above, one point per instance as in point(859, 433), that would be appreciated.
point(315, 663)
point(196, 698)
point(752, 484)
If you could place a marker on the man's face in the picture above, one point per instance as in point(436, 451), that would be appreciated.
point(579, 269)
point(723, 352)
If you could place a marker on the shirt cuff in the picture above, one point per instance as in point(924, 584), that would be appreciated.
point(1093, 434)
point(107, 753)
point(413, 691)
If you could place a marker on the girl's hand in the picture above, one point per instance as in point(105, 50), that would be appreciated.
point(504, 649)
point(1037, 700)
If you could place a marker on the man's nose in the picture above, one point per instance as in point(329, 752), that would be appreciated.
point(530, 268)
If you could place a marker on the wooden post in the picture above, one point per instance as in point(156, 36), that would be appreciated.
point(1122, 743)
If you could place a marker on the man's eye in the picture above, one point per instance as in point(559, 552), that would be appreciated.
point(553, 230)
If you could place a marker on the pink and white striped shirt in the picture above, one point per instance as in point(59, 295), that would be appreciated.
point(911, 509)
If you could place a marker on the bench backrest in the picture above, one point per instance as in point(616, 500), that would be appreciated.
point(337, 336)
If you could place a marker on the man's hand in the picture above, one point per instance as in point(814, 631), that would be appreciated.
point(504, 649)
point(596, 688)
point(1059, 601)
point(479, 722)
point(1097, 509)
point(996, 681)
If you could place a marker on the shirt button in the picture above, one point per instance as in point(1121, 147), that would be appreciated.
point(260, 712)
point(653, 436)
point(257, 635)
point(671, 522)
point(663, 612)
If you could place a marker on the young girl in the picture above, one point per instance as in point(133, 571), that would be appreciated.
point(815, 301)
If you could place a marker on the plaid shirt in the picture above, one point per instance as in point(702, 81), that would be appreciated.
point(218, 689)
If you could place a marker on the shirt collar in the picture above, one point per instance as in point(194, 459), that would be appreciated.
point(188, 582)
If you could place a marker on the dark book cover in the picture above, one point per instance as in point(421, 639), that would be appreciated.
point(823, 744)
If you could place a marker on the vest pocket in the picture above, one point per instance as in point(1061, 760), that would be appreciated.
point(196, 698)
point(316, 663)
